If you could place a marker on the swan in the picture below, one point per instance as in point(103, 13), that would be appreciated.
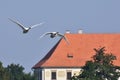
point(25, 29)
point(55, 34)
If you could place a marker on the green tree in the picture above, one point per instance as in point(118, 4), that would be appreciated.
point(1, 71)
point(101, 67)
point(6, 75)
point(15, 71)
point(28, 76)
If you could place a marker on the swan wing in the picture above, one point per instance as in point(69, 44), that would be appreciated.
point(19, 24)
point(63, 36)
point(37, 25)
point(66, 40)
point(47, 33)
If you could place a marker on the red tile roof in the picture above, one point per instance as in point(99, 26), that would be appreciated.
point(80, 50)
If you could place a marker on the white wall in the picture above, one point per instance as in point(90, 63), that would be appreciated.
point(119, 78)
point(61, 72)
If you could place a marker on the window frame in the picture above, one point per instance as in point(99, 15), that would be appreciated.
point(53, 75)
point(68, 75)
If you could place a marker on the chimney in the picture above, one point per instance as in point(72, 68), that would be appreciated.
point(80, 31)
point(67, 31)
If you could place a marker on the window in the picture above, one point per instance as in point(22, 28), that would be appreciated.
point(70, 55)
point(53, 75)
point(38, 74)
point(68, 75)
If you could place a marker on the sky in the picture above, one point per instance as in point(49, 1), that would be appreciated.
point(92, 16)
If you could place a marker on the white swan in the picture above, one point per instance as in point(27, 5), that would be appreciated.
point(55, 34)
point(25, 29)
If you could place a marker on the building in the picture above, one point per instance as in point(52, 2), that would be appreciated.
point(64, 61)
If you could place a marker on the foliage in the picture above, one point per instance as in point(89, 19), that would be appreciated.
point(1, 71)
point(14, 72)
point(100, 68)
point(28, 76)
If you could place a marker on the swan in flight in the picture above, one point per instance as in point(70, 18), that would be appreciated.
point(25, 29)
point(55, 34)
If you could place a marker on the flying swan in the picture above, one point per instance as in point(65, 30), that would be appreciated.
point(55, 34)
point(25, 29)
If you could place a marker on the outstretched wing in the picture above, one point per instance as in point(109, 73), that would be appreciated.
point(63, 36)
point(19, 24)
point(37, 25)
point(47, 33)
point(66, 40)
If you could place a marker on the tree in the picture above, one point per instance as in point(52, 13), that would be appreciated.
point(1, 71)
point(101, 67)
point(15, 71)
point(28, 76)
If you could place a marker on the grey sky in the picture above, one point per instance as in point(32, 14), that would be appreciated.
point(93, 16)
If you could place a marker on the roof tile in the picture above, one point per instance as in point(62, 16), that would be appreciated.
point(81, 48)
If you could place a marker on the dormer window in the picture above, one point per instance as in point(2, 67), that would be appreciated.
point(70, 55)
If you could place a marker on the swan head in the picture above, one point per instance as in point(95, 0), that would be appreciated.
point(52, 35)
point(25, 31)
